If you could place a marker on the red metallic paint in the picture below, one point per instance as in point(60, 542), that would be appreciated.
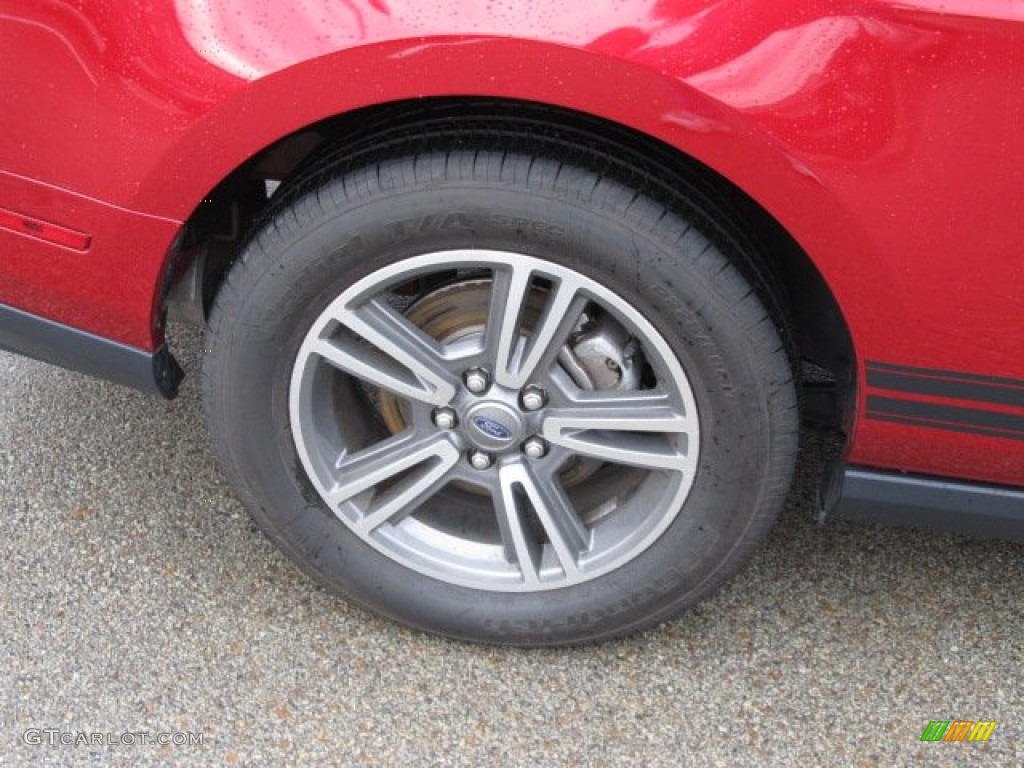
point(883, 136)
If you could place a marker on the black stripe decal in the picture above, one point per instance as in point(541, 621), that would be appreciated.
point(960, 375)
point(962, 386)
point(939, 416)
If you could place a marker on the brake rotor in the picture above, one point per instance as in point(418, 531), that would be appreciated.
point(452, 313)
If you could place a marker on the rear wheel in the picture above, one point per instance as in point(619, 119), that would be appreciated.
point(522, 397)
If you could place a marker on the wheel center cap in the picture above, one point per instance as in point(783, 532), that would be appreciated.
point(493, 426)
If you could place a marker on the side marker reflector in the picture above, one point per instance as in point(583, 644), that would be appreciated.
point(44, 230)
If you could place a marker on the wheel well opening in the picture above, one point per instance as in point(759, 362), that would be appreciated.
point(219, 225)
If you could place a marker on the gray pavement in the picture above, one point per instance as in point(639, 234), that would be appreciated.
point(137, 597)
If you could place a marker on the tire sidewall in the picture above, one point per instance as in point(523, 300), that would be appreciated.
point(670, 272)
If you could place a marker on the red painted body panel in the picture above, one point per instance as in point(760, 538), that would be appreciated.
point(64, 284)
point(883, 136)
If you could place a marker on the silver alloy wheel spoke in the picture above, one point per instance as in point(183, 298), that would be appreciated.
point(519, 546)
point(624, 428)
point(432, 455)
point(562, 526)
point(509, 295)
point(407, 363)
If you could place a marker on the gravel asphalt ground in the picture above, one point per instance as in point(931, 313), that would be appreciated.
point(137, 597)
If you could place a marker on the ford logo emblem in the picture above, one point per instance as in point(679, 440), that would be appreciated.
point(491, 428)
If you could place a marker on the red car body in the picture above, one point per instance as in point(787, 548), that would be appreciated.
point(883, 137)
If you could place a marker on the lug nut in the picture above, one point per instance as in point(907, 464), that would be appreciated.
point(533, 398)
point(477, 380)
point(535, 447)
point(444, 418)
point(480, 460)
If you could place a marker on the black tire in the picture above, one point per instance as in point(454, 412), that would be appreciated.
point(662, 245)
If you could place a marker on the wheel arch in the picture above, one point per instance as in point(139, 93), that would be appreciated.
point(249, 139)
